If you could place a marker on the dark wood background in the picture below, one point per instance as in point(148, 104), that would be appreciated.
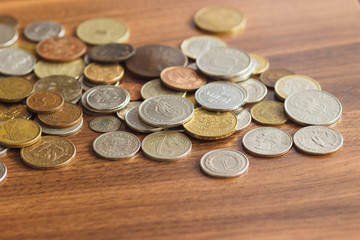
point(291, 197)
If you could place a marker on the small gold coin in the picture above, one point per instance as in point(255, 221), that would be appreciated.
point(103, 73)
point(261, 63)
point(73, 69)
point(269, 113)
point(15, 89)
point(18, 133)
point(11, 111)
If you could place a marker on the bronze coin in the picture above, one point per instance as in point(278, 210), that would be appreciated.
point(45, 102)
point(111, 52)
point(69, 115)
point(61, 49)
point(150, 60)
point(133, 89)
point(270, 76)
point(181, 78)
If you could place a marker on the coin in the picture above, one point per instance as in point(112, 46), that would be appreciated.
point(166, 111)
point(261, 63)
point(256, 91)
point(220, 96)
point(41, 30)
point(3, 150)
point(50, 152)
point(103, 73)
point(154, 88)
point(269, 113)
point(150, 60)
point(69, 115)
point(318, 140)
point(191, 98)
point(11, 111)
point(19, 132)
point(15, 61)
point(104, 124)
point(85, 82)
point(181, 78)
point(60, 131)
point(133, 121)
point(133, 89)
point(102, 31)
point(211, 125)
point(224, 163)
point(73, 69)
point(30, 48)
point(3, 171)
point(8, 35)
point(45, 102)
point(243, 118)
point(111, 52)
point(267, 142)
point(166, 146)
point(270, 76)
point(105, 97)
point(194, 46)
point(15, 89)
point(290, 84)
point(122, 112)
point(9, 20)
point(116, 145)
point(61, 49)
point(313, 107)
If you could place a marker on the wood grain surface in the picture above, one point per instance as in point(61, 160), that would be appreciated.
point(295, 196)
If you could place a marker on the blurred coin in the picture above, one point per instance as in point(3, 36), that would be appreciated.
point(15, 89)
point(104, 124)
point(69, 115)
point(243, 118)
point(15, 61)
point(90, 84)
point(8, 35)
point(256, 91)
point(41, 30)
point(261, 63)
point(194, 46)
point(154, 88)
point(30, 48)
point(9, 20)
point(270, 76)
point(45, 102)
point(106, 97)
point(269, 113)
point(103, 73)
point(192, 66)
point(3, 150)
point(111, 52)
point(73, 69)
point(3, 171)
point(121, 114)
point(181, 78)
point(60, 131)
point(133, 89)
point(11, 111)
point(133, 121)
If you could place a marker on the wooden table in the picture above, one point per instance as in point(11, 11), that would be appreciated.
point(291, 197)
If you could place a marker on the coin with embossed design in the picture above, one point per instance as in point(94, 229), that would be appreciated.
point(133, 121)
point(14, 61)
point(45, 102)
point(74, 68)
point(60, 131)
point(38, 31)
point(104, 124)
point(3, 171)
point(243, 118)
point(182, 78)
point(69, 115)
point(111, 52)
point(270, 76)
point(269, 113)
point(103, 73)
point(94, 111)
point(15, 89)
point(256, 90)
point(154, 88)
point(261, 63)
point(11, 111)
point(107, 97)
point(195, 46)
point(121, 113)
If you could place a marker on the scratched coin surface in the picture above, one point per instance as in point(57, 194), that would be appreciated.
point(155, 88)
point(74, 68)
point(256, 91)
point(318, 140)
point(243, 118)
point(111, 52)
point(270, 76)
point(194, 46)
point(3, 171)
point(41, 30)
point(261, 63)
point(8, 35)
point(14, 61)
point(313, 107)
point(267, 142)
point(50, 152)
point(45, 102)
point(69, 115)
point(121, 113)
point(107, 97)
point(224, 163)
point(116, 145)
point(133, 121)
point(269, 113)
point(103, 73)
point(181, 78)
point(166, 146)
point(104, 124)
point(11, 111)
point(60, 131)
point(15, 89)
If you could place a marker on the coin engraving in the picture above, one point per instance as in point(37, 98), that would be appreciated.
point(105, 124)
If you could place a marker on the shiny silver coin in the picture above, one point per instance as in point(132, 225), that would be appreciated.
point(256, 91)
point(133, 121)
point(194, 46)
point(243, 118)
point(3, 172)
point(224, 163)
point(8, 35)
point(15, 61)
point(155, 88)
point(41, 30)
point(93, 111)
point(105, 97)
point(111, 52)
point(3, 150)
point(104, 124)
point(122, 112)
point(61, 131)
point(116, 145)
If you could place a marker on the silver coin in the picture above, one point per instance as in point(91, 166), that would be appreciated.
point(3, 150)
point(41, 30)
point(256, 90)
point(166, 111)
point(77, 99)
point(220, 96)
point(3, 171)
point(105, 97)
point(318, 140)
point(243, 118)
point(104, 124)
point(133, 121)
point(122, 112)
point(93, 111)
point(267, 142)
point(192, 66)
point(166, 146)
point(224, 163)
point(116, 145)
point(195, 46)
point(8, 35)
point(61, 131)
point(83, 85)
point(154, 88)
point(313, 107)
point(15, 61)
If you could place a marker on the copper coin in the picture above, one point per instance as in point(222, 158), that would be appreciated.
point(181, 78)
point(111, 52)
point(150, 60)
point(61, 49)
point(270, 76)
point(45, 102)
point(133, 89)
point(69, 115)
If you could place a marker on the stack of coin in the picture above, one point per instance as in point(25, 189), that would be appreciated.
point(9, 34)
point(96, 74)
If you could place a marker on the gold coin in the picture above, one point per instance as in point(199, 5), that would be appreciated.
point(73, 69)
point(219, 19)
point(50, 152)
point(103, 73)
point(261, 63)
point(11, 111)
point(15, 89)
point(211, 125)
point(17, 133)
point(269, 113)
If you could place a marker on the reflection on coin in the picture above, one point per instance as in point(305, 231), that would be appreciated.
point(61, 131)
point(106, 97)
point(103, 73)
point(8, 35)
point(181, 78)
point(45, 102)
point(269, 113)
point(38, 31)
point(270, 76)
point(256, 90)
point(74, 68)
point(267, 142)
point(3, 172)
point(3, 150)
point(318, 140)
point(195, 46)
point(261, 63)
point(166, 146)
point(122, 112)
point(111, 52)
point(116, 145)
point(11, 111)
point(133, 121)
point(224, 163)
point(154, 88)
point(105, 124)
point(69, 115)
point(243, 118)
point(15, 61)
point(15, 89)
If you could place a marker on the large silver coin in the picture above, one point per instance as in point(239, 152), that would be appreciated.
point(256, 90)
point(104, 124)
point(15, 61)
point(166, 111)
point(312, 107)
point(61, 131)
point(154, 88)
point(224, 163)
point(105, 97)
point(116, 145)
point(8, 35)
point(38, 31)
point(318, 140)
point(195, 46)
point(220, 96)
point(122, 112)
point(3, 171)
point(3, 150)
point(243, 118)
point(133, 121)
point(267, 142)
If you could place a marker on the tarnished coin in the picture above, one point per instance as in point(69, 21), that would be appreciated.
point(3, 150)
point(15, 61)
point(116, 145)
point(181, 78)
point(69, 115)
point(8, 35)
point(270, 76)
point(111, 52)
point(150, 60)
point(290, 84)
point(256, 91)
point(103, 73)
point(45, 102)
point(133, 121)
point(121, 114)
point(3, 171)
point(15, 89)
point(267, 142)
point(133, 89)
point(104, 124)
point(9, 20)
point(312, 107)
point(220, 96)
point(154, 88)
point(194, 46)
point(261, 63)
point(269, 113)
point(11, 111)
point(243, 118)
point(224, 163)
point(73, 69)
point(51, 152)
point(41, 30)
point(166, 111)
point(60, 131)
point(166, 146)
point(318, 140)
point(105, 97)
